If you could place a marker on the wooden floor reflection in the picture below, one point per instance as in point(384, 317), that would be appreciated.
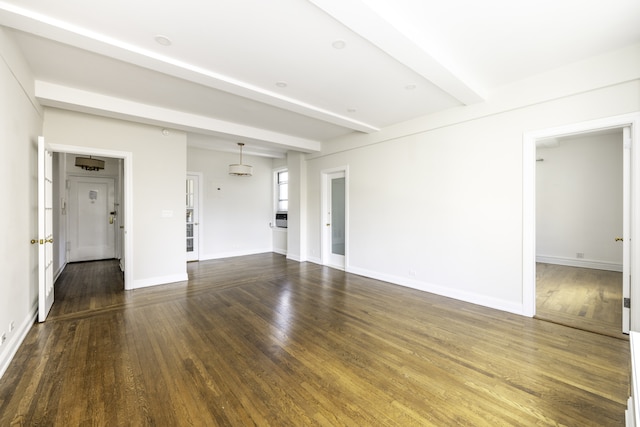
point(261, 340)
point(582, 298)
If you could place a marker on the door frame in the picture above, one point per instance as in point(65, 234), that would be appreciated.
point(529, 204)
point(325, 240)
point(126, 197)
point(197, 234)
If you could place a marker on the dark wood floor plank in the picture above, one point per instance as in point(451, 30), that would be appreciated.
point(261, 340)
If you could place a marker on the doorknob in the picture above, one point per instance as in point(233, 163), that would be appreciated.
point(111, 220)
point(619, 239)
point(328, 225)
point(41, 241)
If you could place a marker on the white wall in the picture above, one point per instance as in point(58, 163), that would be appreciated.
point(579, 202)
point(297, 215)
point(436, 203)
point(20, 125)
point(159, 171)
point(236, 210)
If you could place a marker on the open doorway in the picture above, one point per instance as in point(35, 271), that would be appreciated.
point(579, 224)
point(92, 209)
point(118, 208)
point(630, 124)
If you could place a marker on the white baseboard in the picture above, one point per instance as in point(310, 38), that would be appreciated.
point(465, 296)
point(584, 263)
point(154, 281)
point(59, 272)
point(280, 251)
point(10, 348)
point(297, 257)
point(232, 254)
point(315, 260)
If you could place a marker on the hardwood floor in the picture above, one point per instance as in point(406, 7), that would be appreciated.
point(582, 298)
point(261, 340)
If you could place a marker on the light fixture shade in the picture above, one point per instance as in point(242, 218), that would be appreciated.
point(240, 170)
point(89, 163)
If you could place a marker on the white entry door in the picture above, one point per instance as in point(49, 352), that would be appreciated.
point(193, 205)
point(335, 217)
point(45, 230)
point(92, 218)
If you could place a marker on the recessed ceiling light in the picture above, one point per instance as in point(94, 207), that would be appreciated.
point(351, 110)
point(281, 84)
point(162, 40)
point(339, 44)
point(410, 87)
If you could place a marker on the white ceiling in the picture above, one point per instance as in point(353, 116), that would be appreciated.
point(221, 77)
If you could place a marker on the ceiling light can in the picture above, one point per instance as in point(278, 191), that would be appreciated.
point(339, 44)
point(162, 40)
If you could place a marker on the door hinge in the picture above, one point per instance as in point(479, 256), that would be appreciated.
point(626, 302)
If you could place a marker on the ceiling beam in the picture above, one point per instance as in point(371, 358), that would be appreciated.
point(378, 30)
point(54, 95)
point(54, 29)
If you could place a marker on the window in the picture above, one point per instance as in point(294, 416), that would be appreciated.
point(282, 190)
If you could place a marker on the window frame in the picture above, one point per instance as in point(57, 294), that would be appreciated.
point(276, 193)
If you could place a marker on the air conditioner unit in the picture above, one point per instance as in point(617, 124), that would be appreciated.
point(281, 219)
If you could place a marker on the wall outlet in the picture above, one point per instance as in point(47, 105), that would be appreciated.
point(412, 273)
point(580, 255)
point(3, 338)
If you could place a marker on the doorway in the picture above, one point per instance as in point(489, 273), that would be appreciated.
point(630, 124)
point(335, 217)
point(193, 216)
point(123, 218)
point(579, 221)
point(52, 206)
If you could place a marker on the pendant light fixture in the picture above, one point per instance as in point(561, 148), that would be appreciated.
point(240, 169)
point(89, 163)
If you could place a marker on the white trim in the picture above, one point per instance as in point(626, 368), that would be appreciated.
point(292, 257)
point(200, 223)
point(529, 138)
point(633, 405)
point(315, 260)
point(127, 157)
point(324, 177)
point(222, 255)
point(445, 291)
point(161, 280)
point(275, 194)
point(10, 348)
point(583, 263)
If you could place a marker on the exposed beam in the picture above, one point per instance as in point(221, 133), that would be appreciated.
point(54, 95)
point(67, 33)
point(364, 21)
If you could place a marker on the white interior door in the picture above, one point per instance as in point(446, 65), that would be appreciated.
point(92, 218)
point(193, 224)
point(45, 230)
point(626, 230)
point(335, 216)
